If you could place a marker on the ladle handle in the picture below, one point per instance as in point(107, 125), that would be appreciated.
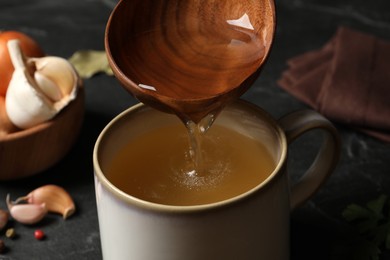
point(294, 125)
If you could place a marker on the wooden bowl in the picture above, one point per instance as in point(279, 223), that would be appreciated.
point(27, 152)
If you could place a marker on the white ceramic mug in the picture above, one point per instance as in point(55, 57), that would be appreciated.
point(253, 225)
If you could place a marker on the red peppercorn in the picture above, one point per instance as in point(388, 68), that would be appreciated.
point(38, 234)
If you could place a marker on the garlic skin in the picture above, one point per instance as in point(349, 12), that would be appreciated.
point(56, 199)
point(39, 88)
point(26, 213)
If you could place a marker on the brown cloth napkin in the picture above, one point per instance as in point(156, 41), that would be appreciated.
point(347, 80)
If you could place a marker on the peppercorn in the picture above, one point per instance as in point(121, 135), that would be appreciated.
point(39, 234)
point(10, 233)
point(2, 246)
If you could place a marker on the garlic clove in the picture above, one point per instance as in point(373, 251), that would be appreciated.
point(25, 106)
point(56, 199)
point(39, 88)
point(3, 218)
point(26, 213)
point(48, 87)
point(59, 71)
point(6, 126)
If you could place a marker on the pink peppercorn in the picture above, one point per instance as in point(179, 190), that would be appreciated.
point(39, 234)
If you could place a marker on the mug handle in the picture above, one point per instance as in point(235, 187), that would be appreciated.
point(294, 125)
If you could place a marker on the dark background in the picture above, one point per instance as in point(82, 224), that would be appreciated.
point(318, 230)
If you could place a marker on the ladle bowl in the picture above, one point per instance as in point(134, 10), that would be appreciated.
point(189, 57)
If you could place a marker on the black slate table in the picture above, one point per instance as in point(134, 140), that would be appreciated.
point(318, 230)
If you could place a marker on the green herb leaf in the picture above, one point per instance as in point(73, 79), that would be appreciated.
point(377, 205)
point(90, 62)
point(366, 250)
point(373, 225)
point(367, 226)
point(379, 234)
point(387, 243)
point(354, 212)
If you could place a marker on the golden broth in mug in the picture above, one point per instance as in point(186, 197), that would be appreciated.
point(156, 166)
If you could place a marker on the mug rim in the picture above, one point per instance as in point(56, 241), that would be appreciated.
point(147, 205)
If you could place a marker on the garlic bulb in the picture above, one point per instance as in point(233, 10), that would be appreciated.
point(39, 88)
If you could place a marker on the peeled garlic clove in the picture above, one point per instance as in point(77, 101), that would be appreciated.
point(57, 200)
point(36, 96)
point(3, 218)
point(26, 213)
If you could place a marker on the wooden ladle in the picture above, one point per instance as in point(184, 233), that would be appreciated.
point(189, 57)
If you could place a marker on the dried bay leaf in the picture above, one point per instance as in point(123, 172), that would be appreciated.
point(90, 62)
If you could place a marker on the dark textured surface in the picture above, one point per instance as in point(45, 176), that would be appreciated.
point(318, 231)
